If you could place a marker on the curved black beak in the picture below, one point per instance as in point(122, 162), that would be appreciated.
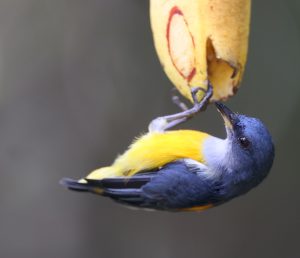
point(228, 116)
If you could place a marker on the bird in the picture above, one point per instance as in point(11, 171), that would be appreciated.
point(185, 170)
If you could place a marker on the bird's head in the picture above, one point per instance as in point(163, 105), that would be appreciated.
point(250, 144)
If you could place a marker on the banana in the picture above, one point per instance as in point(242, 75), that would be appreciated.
point(201, 40)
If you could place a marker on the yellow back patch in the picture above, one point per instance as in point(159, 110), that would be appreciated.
point(155, 149)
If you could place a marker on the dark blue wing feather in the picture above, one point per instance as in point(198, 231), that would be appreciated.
point(173, 187)
point(176, 187)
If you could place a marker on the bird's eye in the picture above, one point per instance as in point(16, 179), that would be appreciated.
point(244, 142)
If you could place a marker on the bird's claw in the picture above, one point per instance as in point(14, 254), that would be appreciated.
point(161, 124)
point(176, 100)
point(202, 104)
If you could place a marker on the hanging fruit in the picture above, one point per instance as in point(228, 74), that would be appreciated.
point(201, 40)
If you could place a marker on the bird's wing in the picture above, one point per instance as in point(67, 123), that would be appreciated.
point(175, 186)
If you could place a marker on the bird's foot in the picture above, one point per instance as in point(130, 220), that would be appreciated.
point(163, 123)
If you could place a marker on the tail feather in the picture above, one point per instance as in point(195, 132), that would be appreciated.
point(136, 181)
point(75, 185)
point(127, 190)
point(122, 193)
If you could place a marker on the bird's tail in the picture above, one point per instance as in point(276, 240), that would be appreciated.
point(114, 187)
point(73, 184)
point(93, 181)
point(93, 186)
point(126, 190)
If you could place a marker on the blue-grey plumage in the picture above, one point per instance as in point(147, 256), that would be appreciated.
point(250, 152)
point(232, 167)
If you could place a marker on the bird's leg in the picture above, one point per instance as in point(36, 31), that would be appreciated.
point(163, 123)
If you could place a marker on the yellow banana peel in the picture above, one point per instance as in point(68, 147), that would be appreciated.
point(201, 40)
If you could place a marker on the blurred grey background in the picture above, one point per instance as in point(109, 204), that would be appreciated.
point(78, 81)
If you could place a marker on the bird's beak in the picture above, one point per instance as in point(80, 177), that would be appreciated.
point(228, 116)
